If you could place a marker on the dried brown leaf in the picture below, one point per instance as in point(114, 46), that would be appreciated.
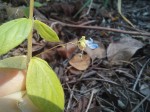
point(80, 62)
point(123, 50)
point(99, 52)
point(74, 71)
point(67, 50)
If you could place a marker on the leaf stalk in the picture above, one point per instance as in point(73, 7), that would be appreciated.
point(29, 50)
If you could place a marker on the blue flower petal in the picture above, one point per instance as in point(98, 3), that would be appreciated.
point(90, 43)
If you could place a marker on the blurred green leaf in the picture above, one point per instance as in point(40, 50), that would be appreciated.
point(43, 86)
point(26, 12)
point(37, 4)
point(14, 33)
point(45, 31)
point(18, 62)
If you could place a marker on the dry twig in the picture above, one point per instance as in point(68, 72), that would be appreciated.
point(140, 73)
point(101, 28)
point(140, 103)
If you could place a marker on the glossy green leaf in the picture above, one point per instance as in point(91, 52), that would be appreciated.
point(45, 31)
point(18, 62)
point(14, 33)
point(43, 86)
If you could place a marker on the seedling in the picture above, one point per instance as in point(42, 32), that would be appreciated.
point(43, 86)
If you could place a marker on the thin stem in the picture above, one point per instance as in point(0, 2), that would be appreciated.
point(29, 55)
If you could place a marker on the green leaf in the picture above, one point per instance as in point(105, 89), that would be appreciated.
point(43, 86)
point(37, 4)
point(18, 62)
point(14, 33)
point(45, 31)
point(26, 12)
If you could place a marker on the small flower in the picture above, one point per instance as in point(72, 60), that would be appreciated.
point(82, 43)
point(90, 43)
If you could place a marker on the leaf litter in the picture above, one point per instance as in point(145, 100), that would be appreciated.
point(112, 69)
point(123, 50)
point(80, 61)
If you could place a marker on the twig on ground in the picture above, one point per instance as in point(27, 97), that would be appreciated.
point(123, 72)
point(104, 80)
point(88, 22)
point(140, 103)
point(88, 74)
point(111, 82)
point(99, 98)
point(88, 9)
point(101, 28)
point(140, 73)
point(125, 88)
point(91, 98)
point(85, 5)
point(71, 95)
point(130, 28)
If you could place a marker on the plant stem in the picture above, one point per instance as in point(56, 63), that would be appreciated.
point(29, 54)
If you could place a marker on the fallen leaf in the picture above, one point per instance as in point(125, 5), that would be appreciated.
point(80, 62)
point(67, 50)
point(99, 52)
point(123, 49)
point(38, 47)
point(49, 56)
point(74, 71)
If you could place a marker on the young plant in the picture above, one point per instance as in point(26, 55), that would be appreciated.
point(43, 86)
